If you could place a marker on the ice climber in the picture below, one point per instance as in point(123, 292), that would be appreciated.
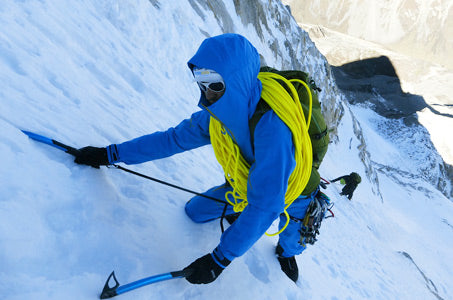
point(226, 69)
point(351, 182)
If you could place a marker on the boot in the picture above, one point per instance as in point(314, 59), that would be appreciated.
point(287, 264)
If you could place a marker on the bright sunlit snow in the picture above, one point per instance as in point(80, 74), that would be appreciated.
point(102, 72)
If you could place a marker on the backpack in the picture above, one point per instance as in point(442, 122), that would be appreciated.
point(355, 177)
point(318, 130)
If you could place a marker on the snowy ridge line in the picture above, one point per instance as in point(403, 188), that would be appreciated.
point(429, 283)
point(365, 156)
point(448, 224)
point(397, 175)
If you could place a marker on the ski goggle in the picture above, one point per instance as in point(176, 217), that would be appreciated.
point(216, 87)
point(209, 79)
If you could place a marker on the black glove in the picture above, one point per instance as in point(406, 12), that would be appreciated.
point(92, 156)
point(206, 269)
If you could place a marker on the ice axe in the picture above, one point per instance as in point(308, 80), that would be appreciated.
point(73, 151)
point(117, 289)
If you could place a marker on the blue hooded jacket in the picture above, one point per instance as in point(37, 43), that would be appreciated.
point(271, 157)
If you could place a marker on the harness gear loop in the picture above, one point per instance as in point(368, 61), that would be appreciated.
point(311, 223)
point(288, 108)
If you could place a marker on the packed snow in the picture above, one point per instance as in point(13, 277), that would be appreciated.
point(102, 72)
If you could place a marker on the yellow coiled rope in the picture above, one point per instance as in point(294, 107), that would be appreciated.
point(289, 110)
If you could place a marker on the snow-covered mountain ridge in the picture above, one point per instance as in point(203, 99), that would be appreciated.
point(101, 72)
point(418, 29)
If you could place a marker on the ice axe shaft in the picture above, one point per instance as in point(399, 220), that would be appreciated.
point(117, 289)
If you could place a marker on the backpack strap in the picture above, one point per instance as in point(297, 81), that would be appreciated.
point(261, 108)
point(319, 136)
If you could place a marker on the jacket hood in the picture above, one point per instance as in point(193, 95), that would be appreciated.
point(238, 62)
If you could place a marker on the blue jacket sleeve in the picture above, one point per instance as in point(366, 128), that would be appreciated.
point(189, 134)
point(267, 185)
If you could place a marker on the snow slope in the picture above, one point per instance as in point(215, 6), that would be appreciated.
point(101, 72)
